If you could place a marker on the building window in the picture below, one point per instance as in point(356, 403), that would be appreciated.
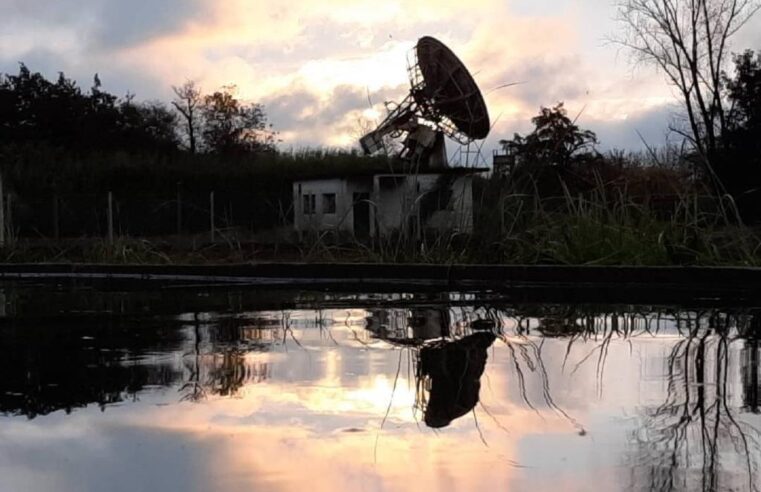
point(309, 203)
point(328, 203)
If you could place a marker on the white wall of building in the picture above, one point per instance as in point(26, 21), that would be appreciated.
point(396, 203)
point(341, 219)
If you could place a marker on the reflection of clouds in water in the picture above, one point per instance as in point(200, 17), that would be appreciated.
point(317, 408)
point(273, 428)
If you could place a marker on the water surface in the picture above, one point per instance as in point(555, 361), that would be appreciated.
point(287, 391)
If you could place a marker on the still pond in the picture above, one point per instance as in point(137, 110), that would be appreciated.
point(270, 391)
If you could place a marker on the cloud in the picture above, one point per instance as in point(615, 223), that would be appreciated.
point(312, 63)
point(103, 24)
point(636, 131)
point(128, 23)
point(337, 118)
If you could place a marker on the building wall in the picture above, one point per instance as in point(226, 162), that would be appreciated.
point(400, 202)
point(342, 219)
point(459, 216)
point(393, 196)
point(401, 199)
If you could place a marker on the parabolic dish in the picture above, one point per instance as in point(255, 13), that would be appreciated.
point(450, 90)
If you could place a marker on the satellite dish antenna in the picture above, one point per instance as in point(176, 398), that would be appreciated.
point(444, 100)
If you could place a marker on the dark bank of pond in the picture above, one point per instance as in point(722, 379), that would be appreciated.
point(280, 389)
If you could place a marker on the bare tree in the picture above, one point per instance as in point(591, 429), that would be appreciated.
point(688, 41)
point(188, 104)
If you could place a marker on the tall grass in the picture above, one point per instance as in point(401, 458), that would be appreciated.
point(611, 226)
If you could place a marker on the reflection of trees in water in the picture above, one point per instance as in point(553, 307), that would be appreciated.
point(217, 364)
point(696, 439)
point(68, 366)
point(585, 325)
point(71, 365)
point(751, 365)
point(64, 366)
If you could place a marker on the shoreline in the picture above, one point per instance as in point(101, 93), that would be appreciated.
point(738, 286)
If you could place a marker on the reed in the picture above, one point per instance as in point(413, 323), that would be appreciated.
point(611, 226)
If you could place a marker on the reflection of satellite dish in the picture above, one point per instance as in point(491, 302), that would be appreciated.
point(444, 100)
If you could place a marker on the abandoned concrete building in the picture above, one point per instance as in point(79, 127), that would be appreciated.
point(376, 205)
point(444, 101)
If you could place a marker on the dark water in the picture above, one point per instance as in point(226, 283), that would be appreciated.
point(284, 391)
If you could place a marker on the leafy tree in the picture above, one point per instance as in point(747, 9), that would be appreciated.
point(551, 156)
point(740, 165)
point(60, 114)
point(102, 116)
point(233, 127)
point(744, 92)
point(555, 141)
point(148, 126)
point(36, 110)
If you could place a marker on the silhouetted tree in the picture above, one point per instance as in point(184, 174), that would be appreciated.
point(556, 140)
point(188, 104)
point(102, 117)
point(149, 126)
point(60, 114)
point(740, 163)
point(233, 127)
point(688, 42)
point(32, 109)
point(744, 91)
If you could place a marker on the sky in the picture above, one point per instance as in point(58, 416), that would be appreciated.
point(323, 69)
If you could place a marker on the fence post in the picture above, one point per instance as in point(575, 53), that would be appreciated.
point(179, 209)
point(211, 214)
point(56, 230)
point(2, 212)
point(9, 218)
point(110, 218)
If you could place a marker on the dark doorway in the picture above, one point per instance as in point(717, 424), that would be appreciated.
point(362, 215)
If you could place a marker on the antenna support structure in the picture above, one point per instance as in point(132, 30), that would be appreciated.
point(444, 101)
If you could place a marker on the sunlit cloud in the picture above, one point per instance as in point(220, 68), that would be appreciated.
point(312, 51)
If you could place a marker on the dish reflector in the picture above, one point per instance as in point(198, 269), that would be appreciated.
point(444, 98)
point(449, 90)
